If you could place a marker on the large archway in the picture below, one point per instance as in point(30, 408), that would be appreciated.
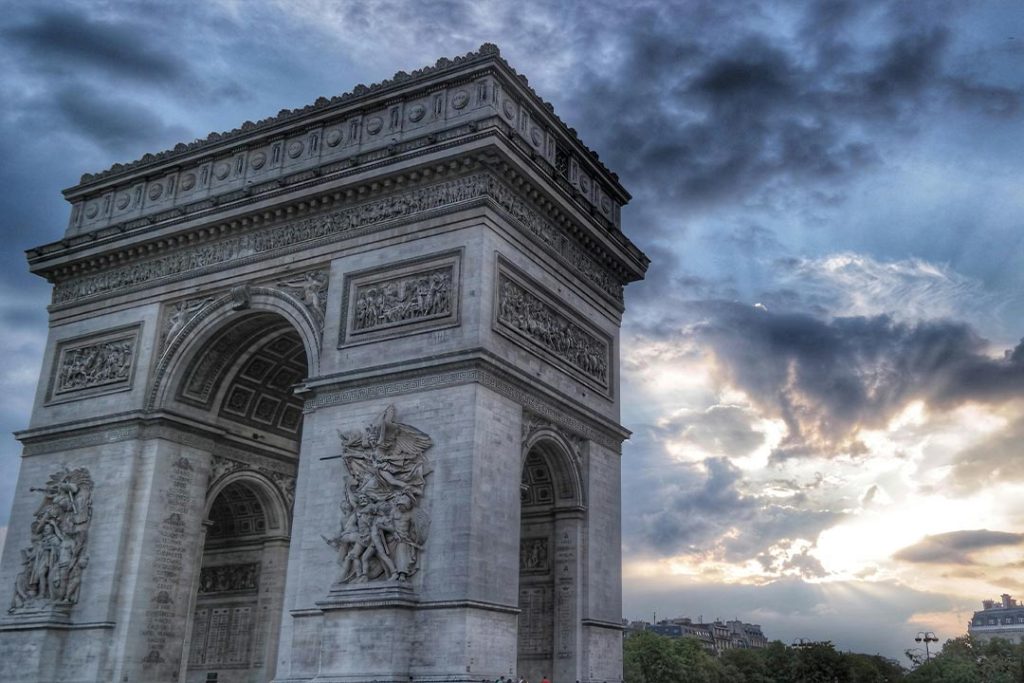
point(239, 376)
point(551, 511)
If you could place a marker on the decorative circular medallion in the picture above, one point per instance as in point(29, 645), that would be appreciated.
point(188, 181)
point(295, 149)
point(257, 160)
point(509, 109)
point(606, 205)
point(155, 190)
point(536, 137)
point(221, 170)
point(333, 138)
point(460, 99)
point(374, 125)
point(584, 184)
point(123, 200)
point(92, 210)
point(417, 112)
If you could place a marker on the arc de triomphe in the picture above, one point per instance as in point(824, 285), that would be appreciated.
point(332, 397)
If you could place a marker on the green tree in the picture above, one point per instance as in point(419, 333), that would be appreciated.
point(650, 658)
point(751, 666)
point(966, 660)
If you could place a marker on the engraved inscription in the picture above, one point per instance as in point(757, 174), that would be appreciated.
point(565, 559)
point(535, 621)
point(51, 574)
point(523, 312)
point(383, 528)
point(161, 627)
point(222, 634)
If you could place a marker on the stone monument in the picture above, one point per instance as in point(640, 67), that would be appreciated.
point(332, 397)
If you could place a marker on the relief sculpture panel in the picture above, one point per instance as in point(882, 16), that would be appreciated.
point(230, 577)
point(401, 299)
point(533, 555)
point(524, 313)
point(92, 365)
point(383, 528)
point(52, 566)
point(311, 289)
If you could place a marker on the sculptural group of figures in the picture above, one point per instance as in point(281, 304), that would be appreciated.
point(382, 527)
point(52, 566)
point(528, 314)
point(403, 299)
point(97, 364)
point(235, 577)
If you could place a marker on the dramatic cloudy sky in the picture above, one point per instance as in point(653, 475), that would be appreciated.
point(822, 371)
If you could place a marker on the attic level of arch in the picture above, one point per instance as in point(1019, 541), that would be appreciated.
point(85, 271)
point(398, 83)
point(422, 114)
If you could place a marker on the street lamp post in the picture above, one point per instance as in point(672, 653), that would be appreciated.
point(926, 637)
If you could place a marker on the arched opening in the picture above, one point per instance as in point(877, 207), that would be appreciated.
point(240, 590)
point(550, 514)
point(238, 374)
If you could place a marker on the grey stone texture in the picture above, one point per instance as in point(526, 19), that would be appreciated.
point(223, 310)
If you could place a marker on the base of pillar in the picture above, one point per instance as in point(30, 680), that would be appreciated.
point(374, 595)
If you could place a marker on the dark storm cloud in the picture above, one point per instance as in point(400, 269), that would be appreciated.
point(718, 109)
point(702, 510)
point(956, 547)
point(828, 379)
point(106, 76)
point(116, 124)
point(65, 40)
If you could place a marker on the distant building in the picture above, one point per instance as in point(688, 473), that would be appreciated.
point(1002, 619)
point(747, 636)
point(716, 637)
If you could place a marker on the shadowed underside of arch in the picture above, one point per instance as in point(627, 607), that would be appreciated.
point(246, 373)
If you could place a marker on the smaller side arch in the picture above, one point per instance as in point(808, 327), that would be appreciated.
point(266, 491)
point(562, 458)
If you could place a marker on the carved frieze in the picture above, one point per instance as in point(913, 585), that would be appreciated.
point(402, 298)
point(533, 555)
point(383, 527)
point(349, 221)
point(525, 313)
point(52, 567)
point(95, 364)
point(229, 578)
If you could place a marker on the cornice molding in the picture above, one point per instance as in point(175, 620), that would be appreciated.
point(371, 384)
point(347, 214)
point(485, 370)
point(138, 426)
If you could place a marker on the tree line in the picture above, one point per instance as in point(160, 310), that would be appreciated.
point(650, 658)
